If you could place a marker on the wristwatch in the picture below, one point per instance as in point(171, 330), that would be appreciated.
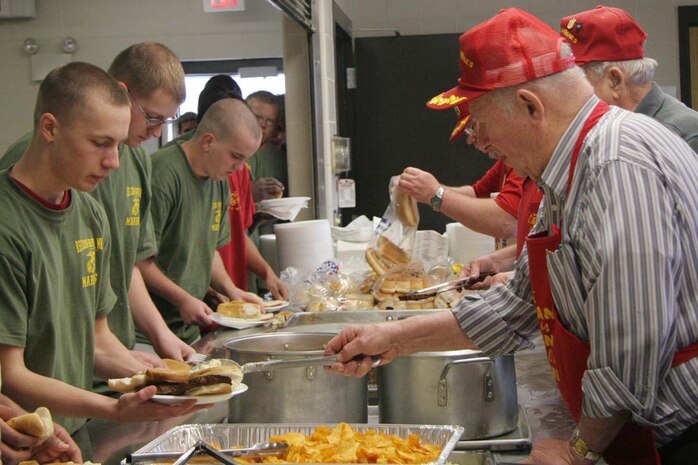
point(437, 199)
point(581, 449)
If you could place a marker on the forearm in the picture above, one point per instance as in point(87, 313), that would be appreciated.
point(112, 358)
point(480, 215)
point(465, 190)
point(598, 433)
point(220, 280)
point(7, 402)
point(32, 391)
point(145, 314)
point(255, 261)
point(500, 260)
point(438, 331)
point(158, 283)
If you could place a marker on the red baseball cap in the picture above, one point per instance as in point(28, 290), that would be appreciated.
point(511, 48)
point(603, 34)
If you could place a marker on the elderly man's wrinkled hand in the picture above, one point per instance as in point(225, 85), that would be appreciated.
point(418, 184)
point(356, 341)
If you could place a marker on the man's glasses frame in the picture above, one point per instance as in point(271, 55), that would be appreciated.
point(264, 122)
point(152, 121)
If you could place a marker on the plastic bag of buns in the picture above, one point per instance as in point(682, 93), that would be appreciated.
point(393, 239)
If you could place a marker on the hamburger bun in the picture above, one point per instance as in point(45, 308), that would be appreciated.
point(176, 364)
point(374, 261)
point(166, 375)
point(391, 252)
point(127, 384)
point(406, 209)
point(232, 371)
point(38, 424)
point(211, 389)
point(239, 309)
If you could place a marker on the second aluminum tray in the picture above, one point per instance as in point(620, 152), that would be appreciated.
point(228, 436)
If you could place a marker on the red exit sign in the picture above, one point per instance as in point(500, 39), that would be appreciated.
point(214, 6)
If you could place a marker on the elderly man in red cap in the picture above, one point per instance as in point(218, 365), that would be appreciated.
point(609, 45)
point(609, 274)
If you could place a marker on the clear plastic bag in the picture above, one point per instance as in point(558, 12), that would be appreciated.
point(393, 239)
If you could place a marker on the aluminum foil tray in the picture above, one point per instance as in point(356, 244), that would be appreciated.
point(181, 438)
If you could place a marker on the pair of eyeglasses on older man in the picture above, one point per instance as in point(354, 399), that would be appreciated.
point(152, 121)
point(471, 128)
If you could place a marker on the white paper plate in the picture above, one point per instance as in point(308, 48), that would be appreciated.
point(283, 202)
point(164, 399)
point(275, 305)
point(240, 323)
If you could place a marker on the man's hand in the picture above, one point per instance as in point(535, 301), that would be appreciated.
point(554, 452)
point(136, 406)
point(148, 359)
point(214, 298)
point(195, 312)
point(418, 184)
point(266, 188)
point(170, 346)
point(277, 288)
point(361, 340)
point(58, 448)
point(239, 294)
point(15, 446)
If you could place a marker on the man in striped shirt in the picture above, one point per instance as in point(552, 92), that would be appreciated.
point(614, 256)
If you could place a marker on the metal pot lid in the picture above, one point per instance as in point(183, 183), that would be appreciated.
point(282, 343)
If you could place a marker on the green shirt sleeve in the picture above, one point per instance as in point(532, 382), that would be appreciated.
point(146, 240)
point(13, 303)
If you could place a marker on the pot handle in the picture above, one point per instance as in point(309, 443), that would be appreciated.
point(442, 391)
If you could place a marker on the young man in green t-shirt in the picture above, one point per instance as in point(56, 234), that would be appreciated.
point(190, 216)
point(55, 242)
point(154, 78)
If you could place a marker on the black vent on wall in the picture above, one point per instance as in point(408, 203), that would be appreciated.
point(296, 9)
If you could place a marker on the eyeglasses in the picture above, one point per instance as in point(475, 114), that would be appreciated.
point(264, 122)
point(152, 121)
point(470, 128)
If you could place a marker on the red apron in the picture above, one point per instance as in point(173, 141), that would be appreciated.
point(527, 216)
point(567, 354)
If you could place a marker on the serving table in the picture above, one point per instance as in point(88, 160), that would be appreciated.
point(108, 443)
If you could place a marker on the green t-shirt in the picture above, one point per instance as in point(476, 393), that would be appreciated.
point(54, 283)
point(269, 162)
point(179, 139)
point(190, 219)
point(126, 197)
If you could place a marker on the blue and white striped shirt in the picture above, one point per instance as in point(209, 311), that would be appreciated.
point(626, 277)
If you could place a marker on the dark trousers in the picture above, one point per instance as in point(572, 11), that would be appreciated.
point(682, 450)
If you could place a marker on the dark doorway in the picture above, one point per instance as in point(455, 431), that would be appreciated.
point(345, 91)
point(394, 129)
point(688, 54)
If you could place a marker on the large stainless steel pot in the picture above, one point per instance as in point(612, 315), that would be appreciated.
point(452, 387)
point(294, 395)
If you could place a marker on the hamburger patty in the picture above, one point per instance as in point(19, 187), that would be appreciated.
point(178, 389)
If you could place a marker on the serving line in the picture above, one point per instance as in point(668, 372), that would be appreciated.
point(109, 443)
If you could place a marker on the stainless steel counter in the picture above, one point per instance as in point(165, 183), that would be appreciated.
point(548, 417)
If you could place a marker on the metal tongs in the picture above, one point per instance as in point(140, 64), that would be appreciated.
point(225, 456)
point(457, 284)
point(325, 360)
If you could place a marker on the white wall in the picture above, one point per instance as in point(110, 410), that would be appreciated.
point(105, 27)
point(658, 17)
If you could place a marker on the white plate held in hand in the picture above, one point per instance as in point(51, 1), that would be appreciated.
point(212, 399)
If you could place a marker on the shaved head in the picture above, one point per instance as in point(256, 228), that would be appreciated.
point(229, 117)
